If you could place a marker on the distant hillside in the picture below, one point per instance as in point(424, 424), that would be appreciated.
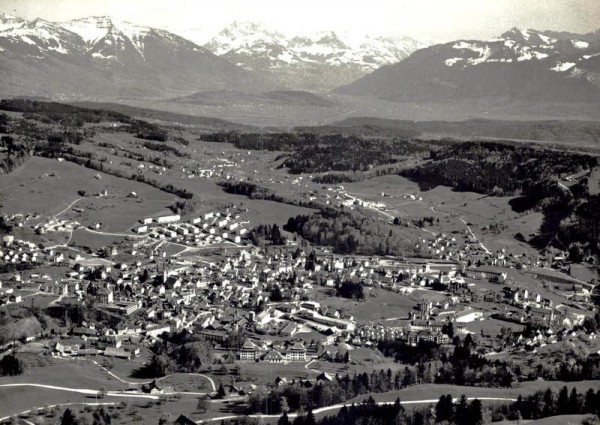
point(580, 132)
point(276, 97)
point(170, 117)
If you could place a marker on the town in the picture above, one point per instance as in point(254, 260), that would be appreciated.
point(237, 288)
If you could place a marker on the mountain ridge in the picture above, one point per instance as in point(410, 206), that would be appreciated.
point(315, 62)
point(99, 57)
point(520, 64)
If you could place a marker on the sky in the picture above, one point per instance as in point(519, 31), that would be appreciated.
point(436, 20)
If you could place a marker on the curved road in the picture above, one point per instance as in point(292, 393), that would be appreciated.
point(339, 406)
point(212, 382)
point(92, 392)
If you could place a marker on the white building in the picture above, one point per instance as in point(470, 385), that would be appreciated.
point(168, 219)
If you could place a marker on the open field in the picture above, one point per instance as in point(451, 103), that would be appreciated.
point(362, 360)
point(269, 212)
point(131, 410)
point(78, 374)
point(448, 206)
point(491, 326)
point(379, 304)
point(50, 187)
point(594, 181)
point(266, 373)
point(66, 372)
point(552, 420)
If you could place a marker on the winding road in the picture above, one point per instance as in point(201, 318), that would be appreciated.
point(139, 395)
point(118, 378)
point(339, 406)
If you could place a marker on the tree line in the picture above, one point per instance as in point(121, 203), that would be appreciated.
point(547, 403)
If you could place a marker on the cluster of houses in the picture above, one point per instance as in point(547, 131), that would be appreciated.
point(15, 251)
point(210, 228)
point(268, 294)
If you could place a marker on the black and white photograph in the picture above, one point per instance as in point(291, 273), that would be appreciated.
point(316, 212)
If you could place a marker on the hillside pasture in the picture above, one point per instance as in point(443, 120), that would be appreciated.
point(50, 188)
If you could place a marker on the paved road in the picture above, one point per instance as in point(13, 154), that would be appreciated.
point(94, 392)
point(118, 378)
point(339, 406)
point(84, 391)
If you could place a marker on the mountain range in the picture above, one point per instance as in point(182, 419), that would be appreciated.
point(104, 57)
point(100, 58)
point(519, 65)
point(314, 62)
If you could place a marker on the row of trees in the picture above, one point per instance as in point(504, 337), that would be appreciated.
point(16, 154)
point(294, 397)
point(369, 412)
point(160, 147)
point(549, 403)
point(142, 178)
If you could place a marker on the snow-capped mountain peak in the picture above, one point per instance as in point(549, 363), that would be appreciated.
point(245, 37)
point(9, 21)
point(103, 32)
point(38, 35)
point(106, 55)
point(520, 64)
point(304, 61)
point(518, 45)
point(90, 29)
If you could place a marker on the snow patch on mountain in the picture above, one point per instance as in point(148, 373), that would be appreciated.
point(101, 56)
point(562, 67)
point(453, 61)
point(89, 29)
point(580, 44)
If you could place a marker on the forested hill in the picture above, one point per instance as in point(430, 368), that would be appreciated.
point(533, 176)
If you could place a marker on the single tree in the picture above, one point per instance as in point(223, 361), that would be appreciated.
point(221, 391)
point(283, 420)
point(202, 404)
point(68, 418)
